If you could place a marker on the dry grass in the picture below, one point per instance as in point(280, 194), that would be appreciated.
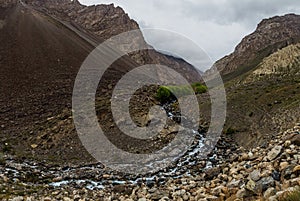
point(291, 196)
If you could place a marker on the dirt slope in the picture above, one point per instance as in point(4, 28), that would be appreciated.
point(40, 58)
point(39, 62)
point(40, 55)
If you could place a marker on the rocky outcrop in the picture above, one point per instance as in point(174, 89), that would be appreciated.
point(285, 63)
point(270, 35)
point(104, 21)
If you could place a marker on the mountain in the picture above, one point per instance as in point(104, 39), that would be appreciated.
point(270, 35)
point(262, 81)
point(105, 21)
point(42, 46)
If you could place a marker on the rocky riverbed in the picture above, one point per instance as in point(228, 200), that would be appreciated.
point(230, 173)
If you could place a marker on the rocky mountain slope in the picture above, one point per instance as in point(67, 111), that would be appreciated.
point(270, 35)
point(262, 81)
point(43, 44)
point(105, 21)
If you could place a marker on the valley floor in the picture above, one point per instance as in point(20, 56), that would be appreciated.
point(262, 173)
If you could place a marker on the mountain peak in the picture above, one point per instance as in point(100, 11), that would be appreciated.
point(277, 20)
point(271, 34)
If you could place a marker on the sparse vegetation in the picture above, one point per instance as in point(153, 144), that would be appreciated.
point(291, 196)
point(199, 88)
point(2, 160)
point(230, 131)
point(165, 93)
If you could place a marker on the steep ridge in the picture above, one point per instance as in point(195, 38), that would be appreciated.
point(283, 63)
point(265, 100)
point(105, 21)
point(262, 81)
point(270, 35)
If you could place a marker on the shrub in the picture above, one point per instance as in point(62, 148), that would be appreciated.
point(230, 131)
point(167, 93)
point(163, 93)
point(180, 90)
point(200, 89)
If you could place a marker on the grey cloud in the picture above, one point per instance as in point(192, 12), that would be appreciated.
point(230, 11)
point(215, 25)
point(179, 46)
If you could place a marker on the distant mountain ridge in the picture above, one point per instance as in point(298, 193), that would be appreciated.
point(271, 34)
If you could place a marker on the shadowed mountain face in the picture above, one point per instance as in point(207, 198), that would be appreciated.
point(39, 62)
point(42, 46)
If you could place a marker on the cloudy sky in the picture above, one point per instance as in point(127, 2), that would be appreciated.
point(217, 26)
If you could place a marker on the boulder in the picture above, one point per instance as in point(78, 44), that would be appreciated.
point(296, 140)
point(269, 192)
point(212, 172)
point(274, 152)
point(255, 175)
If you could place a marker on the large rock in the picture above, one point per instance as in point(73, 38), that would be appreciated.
point(274, 152)
point(270, 192)
point(265, 183)
point(260, 186)
point(242, 193)
point(212, 172)
point(19, 198)
point(286, 173)
point(255, 175)
point(296, 169)
point(296, 140)
point(234, 184)
point(283, 165)
point(159, 194)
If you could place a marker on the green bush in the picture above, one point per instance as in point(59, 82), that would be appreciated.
point(163, 93)
point(200, 89)
point(166, 93)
